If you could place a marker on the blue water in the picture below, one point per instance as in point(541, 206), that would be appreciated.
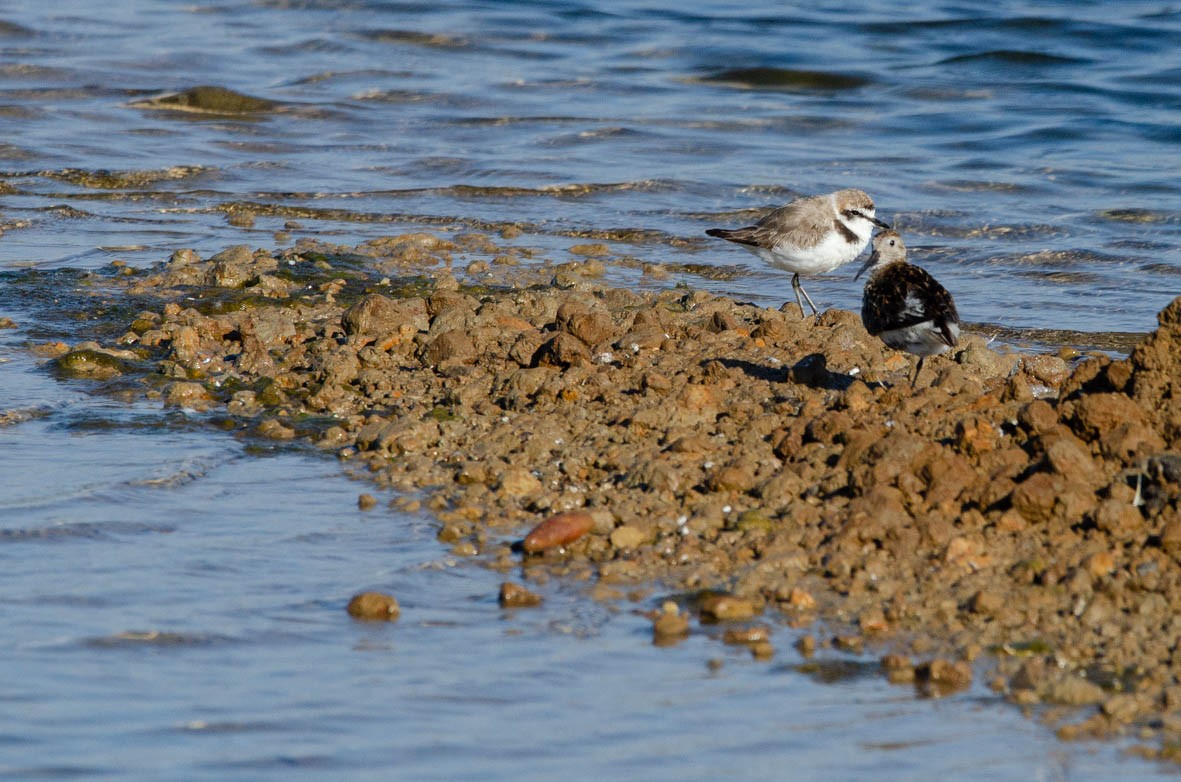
point(173, 602)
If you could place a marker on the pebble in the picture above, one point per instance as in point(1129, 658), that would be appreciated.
point(725, 608)
point(669, 625)
point(558, 530)
point(628, 537)
point(516, 596)
point(374, 606)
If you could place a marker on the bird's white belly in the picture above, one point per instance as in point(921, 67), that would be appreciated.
point(921, 339)
point(832, 251)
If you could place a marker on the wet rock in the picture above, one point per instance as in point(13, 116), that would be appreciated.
point(725, 608)
point(941, 677)
point(800, 600)
point(366, 501)
point(747, 636)
point(274, 429)
point(558, 530)
point(1073, 691)
point(188, 395)
point(374, 606)
point(208, 99)
point(516, 596)
point(91, 364)
point(899, 669)
point(669, 625)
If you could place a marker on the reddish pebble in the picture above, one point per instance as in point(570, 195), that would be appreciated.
point(558, 530)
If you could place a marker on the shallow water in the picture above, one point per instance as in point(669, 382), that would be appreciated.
point(1029, 156)
point(173, 603)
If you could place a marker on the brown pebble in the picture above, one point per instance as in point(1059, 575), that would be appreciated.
point(763, 650)
point(669, 626)
point(724, 608)
point(516, 596)
point(941, 677)
point(374, 606)
point(366, 501)
point(747, 635)
point(628, 537)
point(849, 643)
point(801, 599)
point(558, 530)
point(806, 646)
point(899, 669)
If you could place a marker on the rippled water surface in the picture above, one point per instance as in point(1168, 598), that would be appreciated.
point(173, 603)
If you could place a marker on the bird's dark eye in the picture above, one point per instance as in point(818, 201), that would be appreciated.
point(891, 242)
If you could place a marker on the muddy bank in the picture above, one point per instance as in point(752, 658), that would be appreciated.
point(1018, 512)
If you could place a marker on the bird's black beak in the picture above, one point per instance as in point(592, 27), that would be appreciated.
point(878, 222)
point(873, 258)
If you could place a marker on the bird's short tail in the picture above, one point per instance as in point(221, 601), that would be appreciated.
point(721, 233)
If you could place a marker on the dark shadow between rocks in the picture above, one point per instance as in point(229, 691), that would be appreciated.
point(812, 370)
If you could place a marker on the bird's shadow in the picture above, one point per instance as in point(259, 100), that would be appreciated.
point(811, 370)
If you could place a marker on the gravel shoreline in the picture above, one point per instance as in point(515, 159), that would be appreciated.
point(1015, 515)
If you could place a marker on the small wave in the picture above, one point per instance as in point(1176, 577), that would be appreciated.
point(152, 638)
point(79, 531)
point(1013, 57)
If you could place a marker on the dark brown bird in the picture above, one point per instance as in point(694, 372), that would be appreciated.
point(904, 305)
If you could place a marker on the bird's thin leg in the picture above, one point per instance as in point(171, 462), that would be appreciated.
point(799, 289)
point(918, 368)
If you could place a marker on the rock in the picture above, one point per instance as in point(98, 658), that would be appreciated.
point(562, 350)
point(942, 677)
point(596, 250)
point(189, 395)
point(1046, 369)
point(372, 606)
point(590, 326)
point(516, 596)
point(518, 482)
point(375, 316)
point(366, 501)
point(450, 346)
point(898, 668)
point(669, 625)
point(90, 363)
point(558, 530)
point(986, 603)
point(628, 537)
point(755, 634)
point(725, 608)
point(1073, 691)
point(801, 600)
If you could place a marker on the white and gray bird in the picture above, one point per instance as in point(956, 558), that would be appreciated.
point(904, 305)
point(810, 235)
